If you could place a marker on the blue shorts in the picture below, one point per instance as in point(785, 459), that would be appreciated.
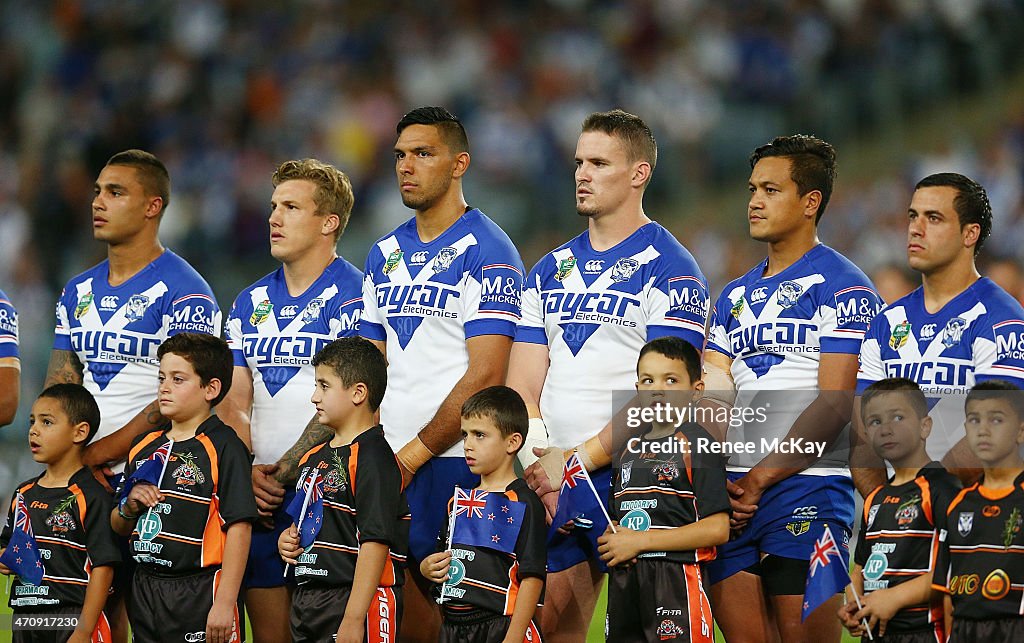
point(428, 495)
point(790, 518)
point(265, 568)
point(566, 551)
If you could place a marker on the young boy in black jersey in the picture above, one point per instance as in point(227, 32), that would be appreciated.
point(892, 562)
point(189, 532)
point(980, 559)
point(68, 510)
point(487, 595)
point(350, 577)
point(670, 507)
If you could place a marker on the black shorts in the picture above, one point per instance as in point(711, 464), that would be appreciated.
point(1002, 629)
point(480, 626)
point(172, 608)
point(31, 635)
point(658, 600)
point(317, 612)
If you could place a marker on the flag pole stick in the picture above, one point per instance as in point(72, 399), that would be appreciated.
point(302, 513)
point(448, 545)
point(600, 502)
point(163, 469)
point(860, 605)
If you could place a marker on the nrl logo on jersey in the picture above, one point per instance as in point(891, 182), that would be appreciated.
point(788, 293)
point(83, 305)
point(953, 331)
point(108, 303)
point(443, 260)
point(623, 269)
point(60, 520)
point(312, 311)
point(136, 308)
point(759, 295)
point(188, 473)
point(737, 308)
point(261, 313)
point(565, 267)
point(393, 260)
point(899, 335)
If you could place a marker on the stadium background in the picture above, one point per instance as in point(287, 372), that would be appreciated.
point(224, 90)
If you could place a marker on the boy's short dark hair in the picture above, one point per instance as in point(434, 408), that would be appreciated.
point(502, 406)
point(998, 390)
point(971, 201)
point(812, 164)
point(152, 173)
point(77, 403)
point(209, 356)
point(909, 388)
point(354, 360)
point(447, 124)
point(677, 349)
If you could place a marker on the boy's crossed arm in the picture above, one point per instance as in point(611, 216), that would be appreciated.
point(624, 545)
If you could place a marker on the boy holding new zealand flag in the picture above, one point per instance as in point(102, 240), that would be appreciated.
point(491, 557)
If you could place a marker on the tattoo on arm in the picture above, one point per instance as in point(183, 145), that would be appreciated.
point(64, 368)
point(153, 415)
point(288, 464)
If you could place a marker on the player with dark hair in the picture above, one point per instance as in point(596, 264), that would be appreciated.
point(957, 329)
point(441, 300)
point(588, 307)
point(789, 330)
point(274, 329)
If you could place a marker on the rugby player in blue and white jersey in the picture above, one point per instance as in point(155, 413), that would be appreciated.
point(589, 306)
point(441, 299)
point(274, 329)
point(957, 329)
point(112, 318)
point(10, 364)
point(789, 332)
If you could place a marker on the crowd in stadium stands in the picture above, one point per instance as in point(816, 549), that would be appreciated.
point(223, 91)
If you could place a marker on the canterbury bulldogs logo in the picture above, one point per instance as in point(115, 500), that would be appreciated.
point(136, 308)
point(627, 469)
point(953, 331)
point(871, 516)
point(418, 258)
point(444, 259)
point(789, 292)
point(624, 269)
point(312, 311)
point(965, 523)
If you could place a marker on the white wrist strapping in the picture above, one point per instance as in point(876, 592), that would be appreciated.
point(536, 436)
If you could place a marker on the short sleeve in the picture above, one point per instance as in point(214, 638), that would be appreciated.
point(100, 540)
point(234, 485)
point(233, 336)
point(371, 324)
point(493, 289)
point(709, 484)
point(531, 325)
point(999, 352)
point(845, 316)
point(8, 328)
point(870, 369)
point(677, 302)
point(377, 487)
point(531, 546)
point(62, 329)
point(5, 535)
point(718, 334)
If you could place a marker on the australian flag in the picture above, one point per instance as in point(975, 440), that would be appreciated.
point(484, 519)
point(22, 553)
point(151, 470)
point(579, 504)
point(827, 575)
point(307, 508)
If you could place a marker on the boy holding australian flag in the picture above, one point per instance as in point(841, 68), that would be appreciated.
point(491, 558)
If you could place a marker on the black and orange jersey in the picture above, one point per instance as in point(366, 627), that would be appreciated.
point(72, 528)
point(668, 482)
point(488, 579)
point(363, 502)
point(980, 560)
point(898, 531)
point(207, 486)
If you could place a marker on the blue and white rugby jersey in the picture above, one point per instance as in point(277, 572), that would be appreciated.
point(595, 311)
point(276, 335)
point(115, 331)
point(425, 300)
point(977, 336)
point(775, 330)
point(8, 327)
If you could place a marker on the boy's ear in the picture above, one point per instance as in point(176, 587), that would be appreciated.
point(515, 441)
point(80, 433)
point(359, 393)
point(698, 385)
point(1020, 433)
point(926, 427)
point(212, 389)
